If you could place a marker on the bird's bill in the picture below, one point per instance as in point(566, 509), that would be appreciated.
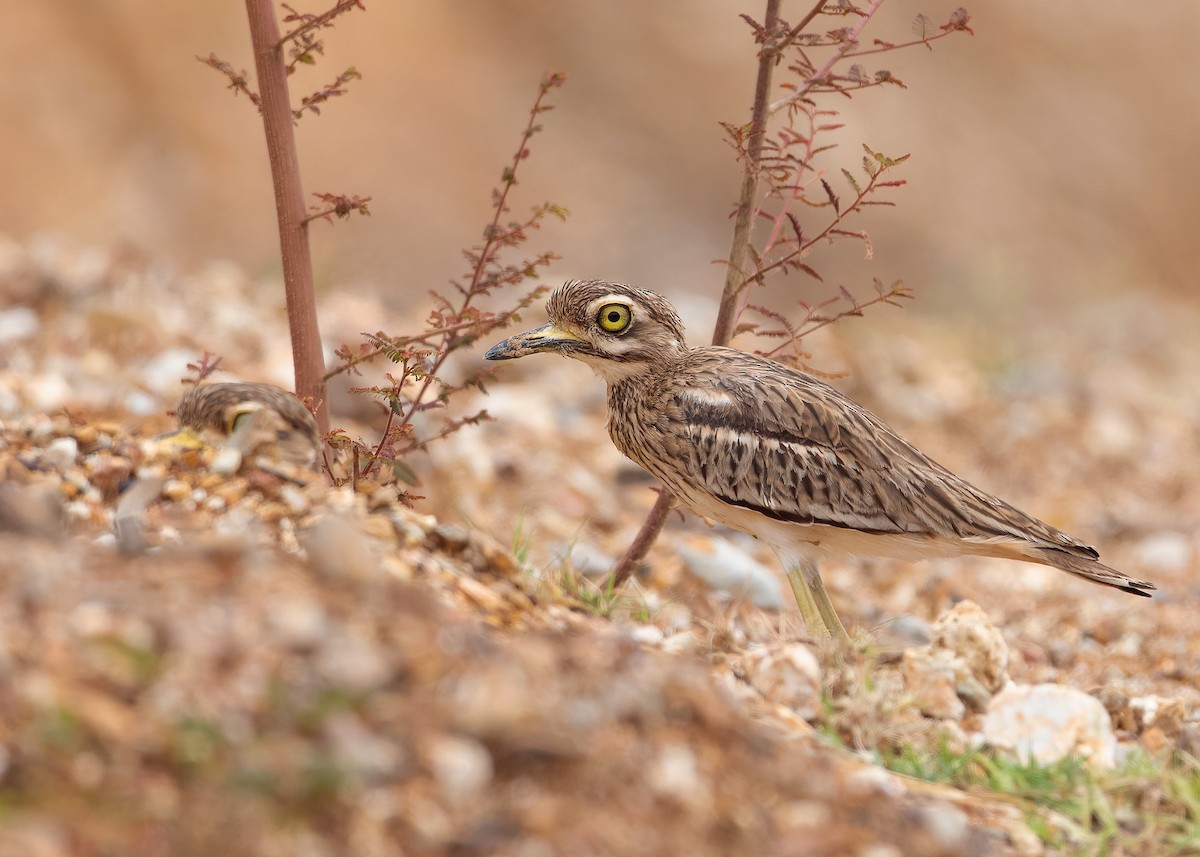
point(184, 439)
point(548, 337)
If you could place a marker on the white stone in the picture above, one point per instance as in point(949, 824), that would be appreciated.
point(352, 662)
point(1166, 551)
point(358, 749)
point(929, 675)
point(18, 323)
point(298, 621)
point(461, 766)
point(675, 774)
point(787, 675)
point(649, 634)
point(62, 452)
point(724, 566)
point(964, 664)
point(680, 643)
point(966, 631)
point(1045, 723)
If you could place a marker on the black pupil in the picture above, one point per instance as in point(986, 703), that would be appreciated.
point(614, 316)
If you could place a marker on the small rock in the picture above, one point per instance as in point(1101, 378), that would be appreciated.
point(585, 558)
point(787, 675)
point(337, 549)
point(1189, 740)
point(929, 675)
point(1165, 552)
point(298, 621)
point(461, 766)
point(726, 567)
point(1045, 723)
point(353, 662)
point(947, 824)
point(356, 748)
point(18, 323)
point(680, 643)
point(675, 774)
point(967, 632)
point(176, 490)
point(62, 452)
point(108, 473)
point(904, 632)
point(36, 509)
point(649, 634)
point(1160, 712)
point(967, 657)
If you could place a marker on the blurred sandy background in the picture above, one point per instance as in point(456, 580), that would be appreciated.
point(1053, 153)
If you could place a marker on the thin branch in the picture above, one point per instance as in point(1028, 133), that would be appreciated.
point(237, 80)
point(795, 31)
point(276, 112)
point(743, 219)
point(832, 226)
point(643, 541)
point(850, 41)
point(316, 22)
point(495, 237)
point(397, 344)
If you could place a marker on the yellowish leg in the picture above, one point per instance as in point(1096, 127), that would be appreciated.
point(815, 607)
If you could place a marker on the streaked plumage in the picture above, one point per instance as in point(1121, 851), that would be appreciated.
point(258, 418)
point(774, 452)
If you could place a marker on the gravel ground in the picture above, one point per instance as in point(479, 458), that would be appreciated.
point(295, 669)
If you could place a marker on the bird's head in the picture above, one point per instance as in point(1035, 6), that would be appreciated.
point(242, 418)
point(618, 330)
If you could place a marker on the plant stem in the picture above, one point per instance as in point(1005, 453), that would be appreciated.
point(644, 540)
point(734, 278)
point(851, 41)
point(307, 357)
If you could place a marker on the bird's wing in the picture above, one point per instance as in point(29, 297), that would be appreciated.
point(791, 447)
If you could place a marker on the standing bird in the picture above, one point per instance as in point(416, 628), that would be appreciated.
point(773, 452)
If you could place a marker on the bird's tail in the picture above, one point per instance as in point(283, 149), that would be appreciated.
point(1089, 569)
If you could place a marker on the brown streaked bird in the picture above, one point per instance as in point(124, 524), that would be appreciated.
point(773, 452)
point(244, 418)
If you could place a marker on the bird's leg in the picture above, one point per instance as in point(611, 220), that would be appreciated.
point(815, 607)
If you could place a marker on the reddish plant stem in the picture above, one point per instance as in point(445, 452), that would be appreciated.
point(802, 248)
point(850, 42)
point(644, 540)
point(743, 222)
point(315, 22)
point(493, 236)
point(307, 358)
point(734, 282)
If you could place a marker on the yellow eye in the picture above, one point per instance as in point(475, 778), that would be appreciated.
point(614, 317)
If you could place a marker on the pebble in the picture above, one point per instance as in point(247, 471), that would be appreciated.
point(1045, 723)
point(651, 635)
point(964, 664)
point(461, 766)
point(929, 675)
point(18, 323)
point(680, 643)
point(353, 662)
point(585, 558)
point(357, 749)
point(62, 452)
point(787, 675)
point(726, 567)
point(1168, 552)
point(1165, 713)
point(299, 621)
point(675, 774)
